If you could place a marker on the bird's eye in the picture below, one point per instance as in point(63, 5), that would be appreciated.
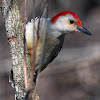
point(71, 21)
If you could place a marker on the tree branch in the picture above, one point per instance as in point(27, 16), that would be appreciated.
point(15, 30)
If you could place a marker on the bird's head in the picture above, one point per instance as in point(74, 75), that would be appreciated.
point(68, 21)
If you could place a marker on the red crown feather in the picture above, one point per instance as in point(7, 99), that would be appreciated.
point(64, 13)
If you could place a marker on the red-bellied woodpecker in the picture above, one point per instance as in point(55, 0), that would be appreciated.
point(56, 28)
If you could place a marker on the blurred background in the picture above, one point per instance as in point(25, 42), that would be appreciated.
point(75, 73)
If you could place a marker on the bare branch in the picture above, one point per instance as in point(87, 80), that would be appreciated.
point(24, 41)
point(44, 35)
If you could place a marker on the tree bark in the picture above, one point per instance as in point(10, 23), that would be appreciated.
point(14, 31)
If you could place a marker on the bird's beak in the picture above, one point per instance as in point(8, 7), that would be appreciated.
point(82, 29)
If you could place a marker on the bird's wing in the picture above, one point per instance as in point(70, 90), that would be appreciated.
point(55, 55)
point(61, 39)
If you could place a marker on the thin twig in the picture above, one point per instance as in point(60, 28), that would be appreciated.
point(33, 60)
point(45, 11)
point(44, 36)
point(33, 33)
point(24, 40)
point(34, 57)
point(43, 42)
point(35, 45)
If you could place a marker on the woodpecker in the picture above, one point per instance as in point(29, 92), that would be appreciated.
point(56, 29)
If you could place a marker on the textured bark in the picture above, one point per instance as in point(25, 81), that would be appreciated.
point(14, 31)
